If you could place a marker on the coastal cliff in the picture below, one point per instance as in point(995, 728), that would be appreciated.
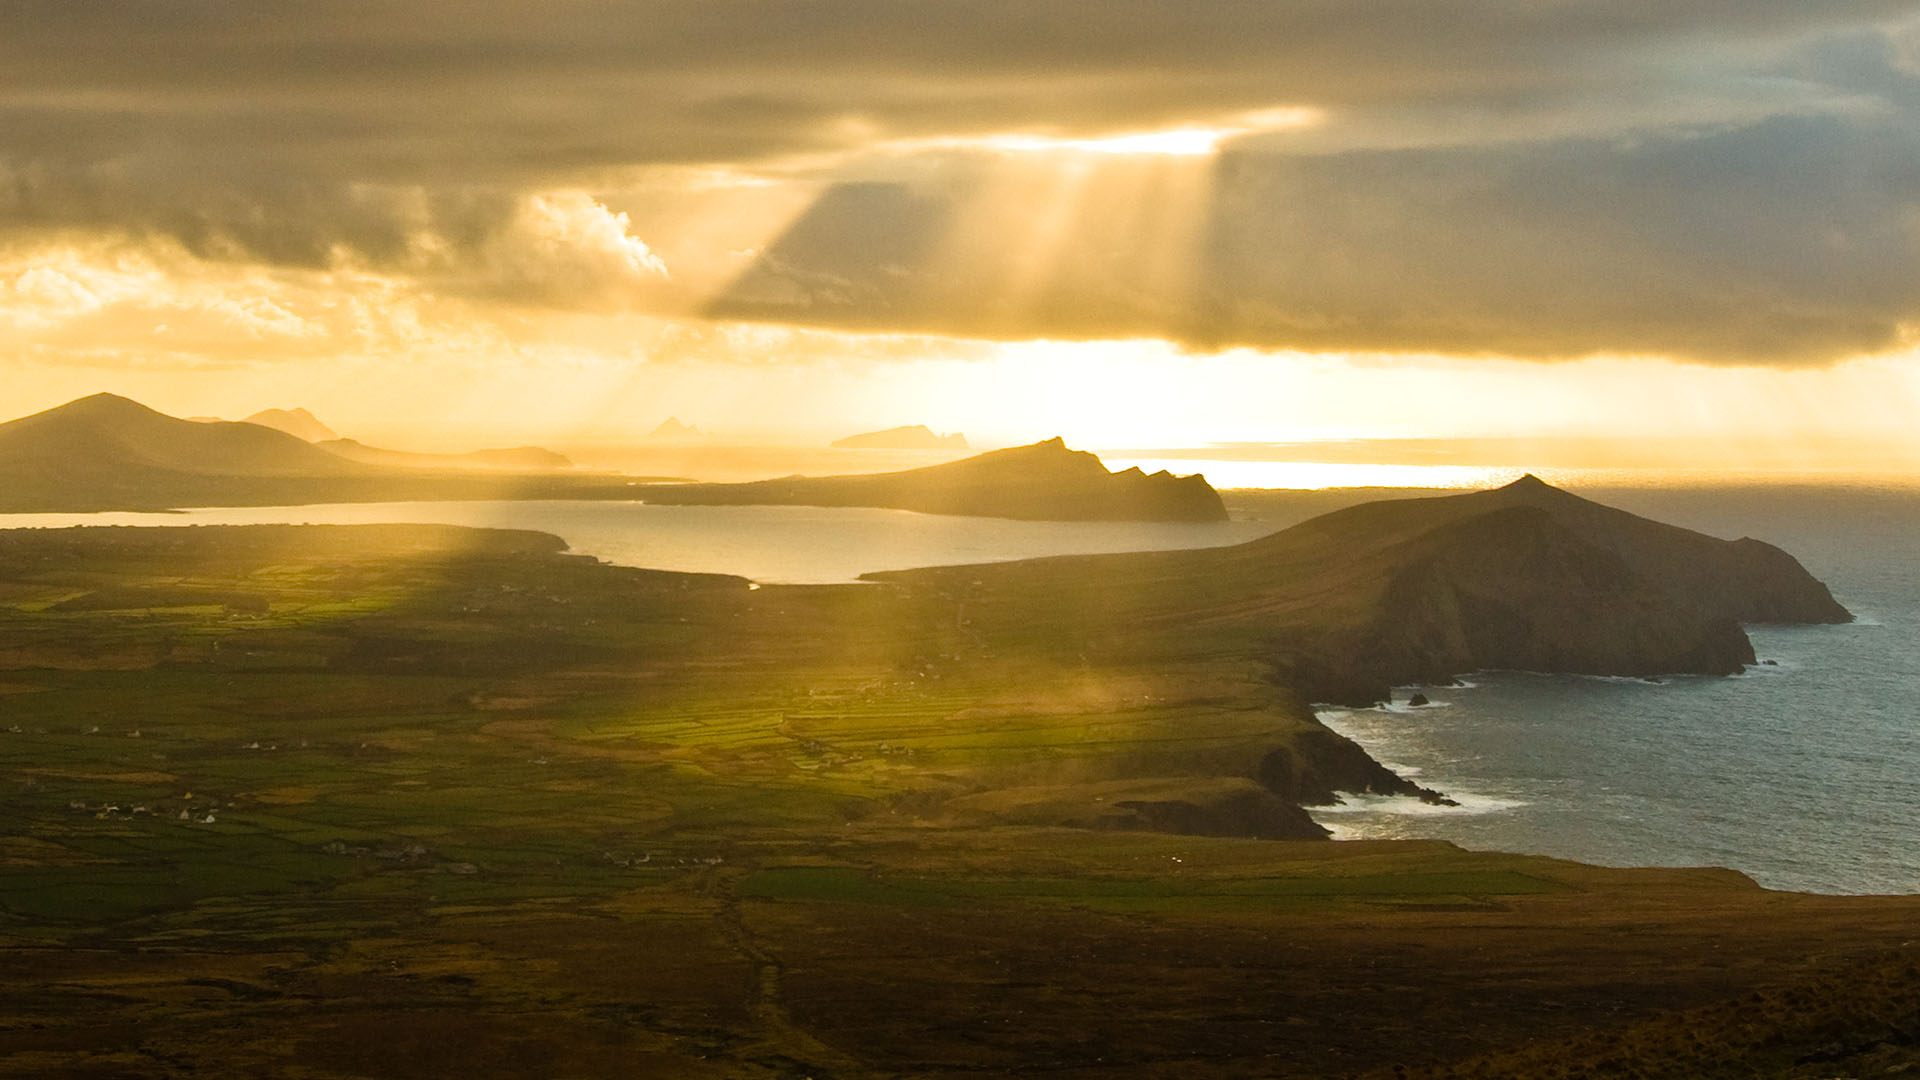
point(1344, 607)
point(1513, 588)
point(1745, 580)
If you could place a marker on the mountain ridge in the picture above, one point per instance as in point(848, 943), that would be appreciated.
point(297, 422)
point(121, 432)
point(905, 437)
point(107, 452)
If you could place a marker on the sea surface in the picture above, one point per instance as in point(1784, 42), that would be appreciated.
point(1804, 774)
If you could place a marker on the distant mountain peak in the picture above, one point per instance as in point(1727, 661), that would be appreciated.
point(107, 450)
point(672, 428)
point(102, 404)
point(296, 422)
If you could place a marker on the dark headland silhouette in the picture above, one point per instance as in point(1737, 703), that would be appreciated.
point(913, 437)
point(1044, 482)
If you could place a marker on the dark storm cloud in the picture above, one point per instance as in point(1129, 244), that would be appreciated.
point(1728, 179)
point(1795, 240)
point(404, 89)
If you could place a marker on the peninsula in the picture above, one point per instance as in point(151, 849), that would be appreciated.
point(350, 798)
point(1042, 482)
point(913, 437)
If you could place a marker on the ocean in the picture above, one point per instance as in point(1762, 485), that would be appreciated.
point(1804, 774)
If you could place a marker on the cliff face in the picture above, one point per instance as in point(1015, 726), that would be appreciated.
point(1516, 588)
point(1042, 482)
point(1526, 576)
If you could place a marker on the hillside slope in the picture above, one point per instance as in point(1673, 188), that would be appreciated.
point(107, 451)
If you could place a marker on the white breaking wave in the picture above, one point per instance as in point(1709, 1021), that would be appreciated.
point(1471, 804)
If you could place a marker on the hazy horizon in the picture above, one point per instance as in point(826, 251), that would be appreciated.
point(725, 455)
point(1157, 228)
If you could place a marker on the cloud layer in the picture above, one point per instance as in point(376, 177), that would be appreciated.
point(1732, 181)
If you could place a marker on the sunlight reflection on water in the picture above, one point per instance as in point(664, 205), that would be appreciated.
point(1232, 474)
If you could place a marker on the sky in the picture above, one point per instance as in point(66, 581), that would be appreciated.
point(1138, 223)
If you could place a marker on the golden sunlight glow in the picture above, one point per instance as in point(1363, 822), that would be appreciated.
point(1190, 140)
point(1089, 226)
point(1180, 141)
point(192, 337)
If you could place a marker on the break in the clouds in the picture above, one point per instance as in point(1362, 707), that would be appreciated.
point(1730, 180)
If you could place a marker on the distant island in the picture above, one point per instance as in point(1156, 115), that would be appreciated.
point(672, 430)
point(1042, 482)
point(916, 437)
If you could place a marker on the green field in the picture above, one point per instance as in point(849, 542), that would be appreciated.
point(427, 802)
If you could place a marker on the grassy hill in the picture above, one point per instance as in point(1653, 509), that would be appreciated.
point(105, 433)
point(1415, 590)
